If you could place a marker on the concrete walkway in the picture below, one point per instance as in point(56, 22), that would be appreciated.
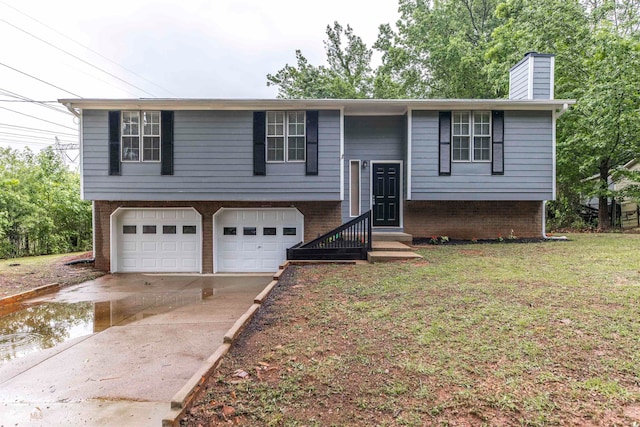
point(151, 333)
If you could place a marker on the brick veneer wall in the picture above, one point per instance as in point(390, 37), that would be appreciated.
point(319, 217)
point(469, 219)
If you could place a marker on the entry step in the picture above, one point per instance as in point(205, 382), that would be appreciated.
point(389, 246)
point(391, 236)
point(382, 256)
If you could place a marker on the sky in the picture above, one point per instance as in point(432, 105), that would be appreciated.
point(147, 49)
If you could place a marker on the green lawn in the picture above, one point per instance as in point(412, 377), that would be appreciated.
point(485, 334)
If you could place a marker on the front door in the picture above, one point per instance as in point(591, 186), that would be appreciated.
point(386, 194)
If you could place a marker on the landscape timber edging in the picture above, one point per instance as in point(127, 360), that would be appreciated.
point(185, 395)
point(13, 299)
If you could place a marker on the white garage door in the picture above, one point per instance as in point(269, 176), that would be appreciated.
point(255, 240)
point(157, 240)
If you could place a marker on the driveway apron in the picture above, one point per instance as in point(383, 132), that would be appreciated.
point(151, 333)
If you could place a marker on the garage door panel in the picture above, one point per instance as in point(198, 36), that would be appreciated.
point(129, 246)
point(149, 246)
point(149, 263)
point(270, 246)
point(166, 250)
point(169, 263)
point(259, 252)
point(169, 247)
point(188, 246)
point(149, 214)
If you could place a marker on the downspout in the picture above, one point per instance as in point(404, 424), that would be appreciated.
point(556, 116)
point(559, 113)
point(72, 110)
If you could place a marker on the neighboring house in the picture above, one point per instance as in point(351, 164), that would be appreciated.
point(626, 212)
point(205, 185)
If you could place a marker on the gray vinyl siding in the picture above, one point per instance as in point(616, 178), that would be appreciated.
point(528, 168)
point(542, 77)
point(213, 160)
point(519, 81)
point(370, 138)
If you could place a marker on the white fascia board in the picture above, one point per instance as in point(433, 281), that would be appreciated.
point(372, 107)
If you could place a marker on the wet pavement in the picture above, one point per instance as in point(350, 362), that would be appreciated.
point(114, 351)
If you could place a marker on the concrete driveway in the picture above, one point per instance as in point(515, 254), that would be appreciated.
point(147, 336)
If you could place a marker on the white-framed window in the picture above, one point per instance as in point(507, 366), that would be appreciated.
point(140, 136)
point(471, 136)
point(481, 136)
point(286, 136)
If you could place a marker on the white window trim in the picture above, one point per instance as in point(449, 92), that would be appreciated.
point(141, 136)
point(286, 137)
point(358, 164)
point(472, 136)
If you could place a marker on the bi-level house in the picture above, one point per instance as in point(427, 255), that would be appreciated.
point(211, 185)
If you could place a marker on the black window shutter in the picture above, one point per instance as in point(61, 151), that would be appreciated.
point(259, 137)
point(444, 145)
point(497, 145)
point(114, 142)
point(312, 143)
point(166, 142)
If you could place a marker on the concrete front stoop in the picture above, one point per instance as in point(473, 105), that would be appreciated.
point(389, 247)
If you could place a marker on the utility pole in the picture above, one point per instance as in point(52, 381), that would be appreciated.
point(63, 151)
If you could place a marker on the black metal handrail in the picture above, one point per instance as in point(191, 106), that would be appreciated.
point(351, 240)
point(353, 234)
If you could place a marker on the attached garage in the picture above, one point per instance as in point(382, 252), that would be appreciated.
point(254, 240)
point(156, 240)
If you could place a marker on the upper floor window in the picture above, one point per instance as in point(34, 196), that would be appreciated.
point(140, 136)
point(471, 136)
point(286, 137)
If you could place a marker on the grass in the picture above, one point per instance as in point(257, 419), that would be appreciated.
point(519, 334)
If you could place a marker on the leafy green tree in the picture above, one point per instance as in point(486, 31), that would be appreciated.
point(40, 207)
point(348, 73)
point(438, 50)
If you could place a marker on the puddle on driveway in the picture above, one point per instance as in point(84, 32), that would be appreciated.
point(30, 327)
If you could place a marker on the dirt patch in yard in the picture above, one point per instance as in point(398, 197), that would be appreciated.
point(23, 274)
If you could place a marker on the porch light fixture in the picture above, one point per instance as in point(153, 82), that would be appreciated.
point(364, 164)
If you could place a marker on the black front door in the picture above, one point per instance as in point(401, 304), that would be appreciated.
point(386, 194)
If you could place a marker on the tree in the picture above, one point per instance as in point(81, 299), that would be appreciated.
point(348, 73)
point(438, 50)
point(597, 64)
point(40, 207)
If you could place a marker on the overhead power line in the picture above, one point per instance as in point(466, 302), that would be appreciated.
point(38, 130)
point(28, 101)
point(34, 137)
point(22, 98)
point(40, 80)
point(88, 48)
point(37, 118)
point(75, 57)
